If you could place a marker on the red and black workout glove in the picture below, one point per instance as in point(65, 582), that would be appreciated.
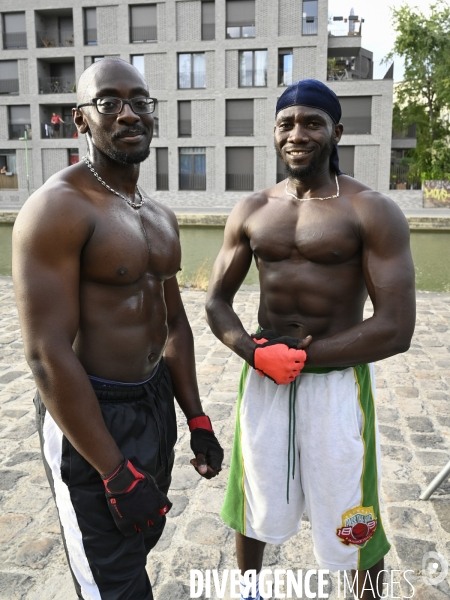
point(277, 357)
point(203, 441)
point(135, 501)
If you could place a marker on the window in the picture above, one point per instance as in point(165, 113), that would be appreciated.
point(137, 60)
point(14, 31)
point(74, 156)
point(239, 115)
point(97, 58)
point(90, 26)
point(184, 119)
point(192, 169)
point(9, 77)
point(53, 30)
point(191, 70)
point(239, 169)
point(208, 20)
point(253, 68)
point(155, 116)
point(8, 179)
point(143, 23)
point(285, 67)
point(162, 168)
point(309, 17)
point(347, 159)
point(240, 18)
point(19, 122)
point(56, 77)
point(356, 114)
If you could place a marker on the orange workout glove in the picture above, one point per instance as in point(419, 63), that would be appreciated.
point(277, 357)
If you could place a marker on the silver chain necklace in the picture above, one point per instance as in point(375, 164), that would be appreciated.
point(336, 195)
point(97, 176)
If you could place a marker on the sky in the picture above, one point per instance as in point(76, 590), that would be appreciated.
point(377, 34)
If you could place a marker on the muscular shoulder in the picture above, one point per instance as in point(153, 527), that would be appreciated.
point(247, 207)
point(163, 211)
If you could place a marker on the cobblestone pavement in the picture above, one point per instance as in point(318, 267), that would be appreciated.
point(414, 412)
point(407, 199)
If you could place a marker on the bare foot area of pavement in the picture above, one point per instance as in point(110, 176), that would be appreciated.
point(413, 400)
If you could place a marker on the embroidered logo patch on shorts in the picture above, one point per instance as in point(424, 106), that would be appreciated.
point(358, 525)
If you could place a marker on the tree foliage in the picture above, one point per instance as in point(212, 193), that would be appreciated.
point(423, 97)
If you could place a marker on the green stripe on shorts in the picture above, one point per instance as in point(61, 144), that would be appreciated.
point(233, 510)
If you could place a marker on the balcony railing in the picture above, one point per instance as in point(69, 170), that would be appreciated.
point(196, 79)
point(66, 130)
point(143, 34)
point(184, 128)
point(208, 31)
point(162, 181)
point(52, 38)
point(8, 181)
point(240, 182)
point(310, 26)
point(238, 30)
point(9, 86)
point(17, 131)
point(14, 40)
point(239, 127)
point(284, 77)
point(192, 182)
point(256, 78)
point(90, 37)
point(57, 85)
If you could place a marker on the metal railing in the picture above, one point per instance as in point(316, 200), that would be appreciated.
point(66, 130)
point(284, 77)
point(16, 131)
point(184, 128)
point(9, 86)
point(343, 30)
point(57, 85)
point(239, 127)
point(8, 181)
point(401, 179)
point(162, 181)
point(208, 31)
point(238, 30)
point(358, 71)
point(255, 78)
point(143, 34)
point(51, 38)
point(192, 182)
point(240, 182)
point(195, 79)
point(14, 40)
point(310, 26)
point(90, 37)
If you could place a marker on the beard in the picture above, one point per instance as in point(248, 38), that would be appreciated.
point(314, 165)
point(129, 158)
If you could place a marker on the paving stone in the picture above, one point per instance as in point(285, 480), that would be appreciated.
point(8, 479)
point(199, 558)
point(396, 453)
point(11, 375)
point(185, 478)
point(393, 434)
point(408, 520)
point(14, 585)
point(164, 540)
point(387, 415)
point(174, 590)
point(420, 424)
point(22, 457)
point(442, 508)
point(206, 530)
point(433, 458)
point(23, 430)
point(411, 551)
point(427, 440)
point(400, 492)
point(11, 525)
point(34, 552)
point(407, 391)
point(179, 505)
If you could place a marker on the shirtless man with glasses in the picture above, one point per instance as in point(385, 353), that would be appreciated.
point(108, 341)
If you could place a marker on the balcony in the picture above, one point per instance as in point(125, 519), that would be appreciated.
point(66, 131)
point(208, 31)
point(184, 128)
point(192, 182)
point(239, 182)
point(255, 78)
point(310, 26)
point(14, 41)
point(9, 86)
point(240, 31)
point(8, 181)
point(239, 127)
point(197, 79)
point(90, 37)
point(54, 38)
point(162, 181)
point(16, 131)
point(57, 85)
point(139, 35)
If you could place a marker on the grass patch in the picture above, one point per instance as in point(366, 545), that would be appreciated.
point(199, 279)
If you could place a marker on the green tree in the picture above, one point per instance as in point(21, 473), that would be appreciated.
point(423, 97)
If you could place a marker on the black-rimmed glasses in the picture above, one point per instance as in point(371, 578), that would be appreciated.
point(113, 106)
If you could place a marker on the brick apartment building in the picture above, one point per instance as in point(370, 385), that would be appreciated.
point(216, 68)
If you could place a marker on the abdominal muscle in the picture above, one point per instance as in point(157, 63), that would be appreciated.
point(123, 331)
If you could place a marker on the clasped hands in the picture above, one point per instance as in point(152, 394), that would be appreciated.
point(281, 358)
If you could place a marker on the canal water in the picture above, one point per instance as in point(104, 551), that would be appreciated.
point(200, 245)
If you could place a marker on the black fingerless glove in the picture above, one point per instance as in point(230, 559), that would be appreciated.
point(270, 338)
point(134, 499)
point(205, 442)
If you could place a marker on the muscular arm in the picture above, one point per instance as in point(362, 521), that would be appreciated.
point(48, 238)
point(229, 271)
point(389, 276)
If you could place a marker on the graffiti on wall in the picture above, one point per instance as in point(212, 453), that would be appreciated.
point(436, 194)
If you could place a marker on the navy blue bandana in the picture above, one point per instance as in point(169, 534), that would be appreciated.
point(315, 94)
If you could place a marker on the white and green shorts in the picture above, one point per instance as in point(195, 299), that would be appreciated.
point(312, 444)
